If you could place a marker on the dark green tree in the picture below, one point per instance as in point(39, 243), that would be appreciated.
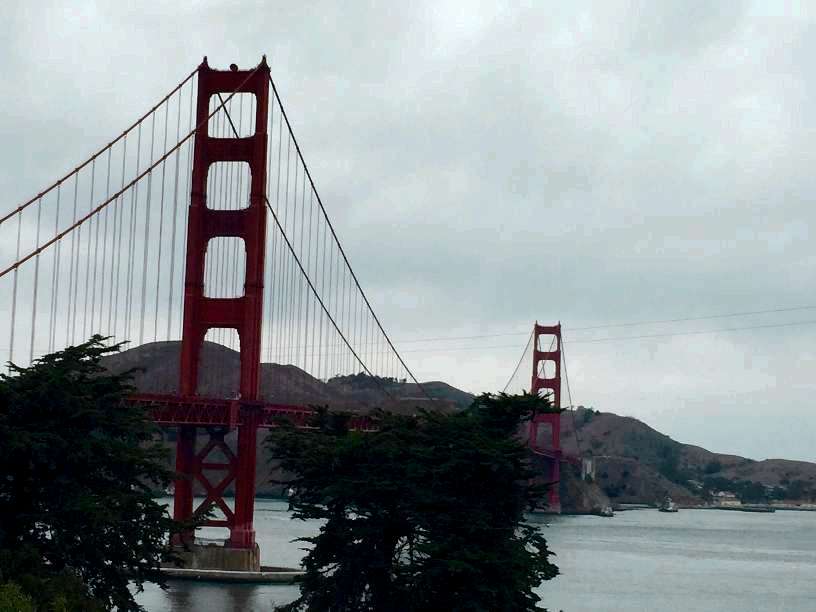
point(751, 492)
point(78, 520)
point(425, 514)
point(712, 467)
point(12, 599)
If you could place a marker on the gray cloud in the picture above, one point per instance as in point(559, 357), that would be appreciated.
point(491, 165)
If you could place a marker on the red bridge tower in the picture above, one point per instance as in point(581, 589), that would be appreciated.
point(242, 313)
point(550, 450)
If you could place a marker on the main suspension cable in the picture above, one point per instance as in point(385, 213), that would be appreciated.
point(337, 241)
point(320, 300)
point(55, 184)
point(520, 361)
point(108, 201)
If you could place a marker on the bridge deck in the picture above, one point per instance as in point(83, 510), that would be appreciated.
point(212, 412)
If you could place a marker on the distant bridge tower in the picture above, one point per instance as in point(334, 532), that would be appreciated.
point(547, 358)
point(242, 313)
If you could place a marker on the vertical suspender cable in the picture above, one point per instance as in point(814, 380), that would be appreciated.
point(313, 245)
point(301, 287)
point(357, 320)
point(118, 222)
point(578, 443)
point(307, 279)
point(347, 364)
point(340, 248)
point(285, 298)
point(334, 288)
point(134, 203)
point(161, 229)
point(173, 225)
point(322, 314)
point(271, 239)
point(236, 282)
point(185, 218)
point(214, 181)
point(147, 228)
point(222, 276)
point(104, 246)
point(279, 262)
point(293, 281)
point(36, 284)
point(78, 168)
point(294, 286)
point(366, 346)
point(71, 323)
point(55, 277)
point(94, 222)
point(14, 290)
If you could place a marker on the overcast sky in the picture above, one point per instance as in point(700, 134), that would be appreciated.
point(490, 165)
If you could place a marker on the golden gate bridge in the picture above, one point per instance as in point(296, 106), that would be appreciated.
point(200, 224)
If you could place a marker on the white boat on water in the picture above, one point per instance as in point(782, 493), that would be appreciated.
point(668, 506)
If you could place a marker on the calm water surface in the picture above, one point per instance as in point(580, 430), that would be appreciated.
point(642, 560)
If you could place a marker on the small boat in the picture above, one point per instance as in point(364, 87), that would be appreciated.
point(606, 511)
point(668, 506)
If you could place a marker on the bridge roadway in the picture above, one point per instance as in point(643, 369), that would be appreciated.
point(211, 412)
point(198, 411)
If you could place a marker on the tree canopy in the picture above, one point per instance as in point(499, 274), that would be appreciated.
point(78, 520)
point(426, 514)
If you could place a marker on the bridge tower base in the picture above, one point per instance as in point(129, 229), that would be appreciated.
point(223, 558)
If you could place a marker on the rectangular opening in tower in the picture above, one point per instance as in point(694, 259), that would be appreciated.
point(228, 185)
point(234, 117)
point(225, 268)
point(544, 437)
point(548, 342)
point(546, 369)
point(220, 364)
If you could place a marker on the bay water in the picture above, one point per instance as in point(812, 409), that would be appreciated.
point(639, 560)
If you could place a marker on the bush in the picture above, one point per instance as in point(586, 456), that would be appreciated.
point(12, 599)
point(712, 467)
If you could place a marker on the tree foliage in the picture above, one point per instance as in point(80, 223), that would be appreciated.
point(12, 599)
point(426, 514)
point(77, 516)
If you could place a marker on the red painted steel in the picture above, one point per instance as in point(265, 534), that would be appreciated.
point(195, 411)
point(540, 382)
point(242, 313)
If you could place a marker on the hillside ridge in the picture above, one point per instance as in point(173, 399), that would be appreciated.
point(635, 463)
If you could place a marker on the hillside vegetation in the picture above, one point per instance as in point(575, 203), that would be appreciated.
point(637, 464)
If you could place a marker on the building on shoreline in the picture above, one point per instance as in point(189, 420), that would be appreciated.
point(726, 499)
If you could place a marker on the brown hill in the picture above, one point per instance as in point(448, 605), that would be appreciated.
point(634, 462)
point(637, 464)
point(156, 368)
